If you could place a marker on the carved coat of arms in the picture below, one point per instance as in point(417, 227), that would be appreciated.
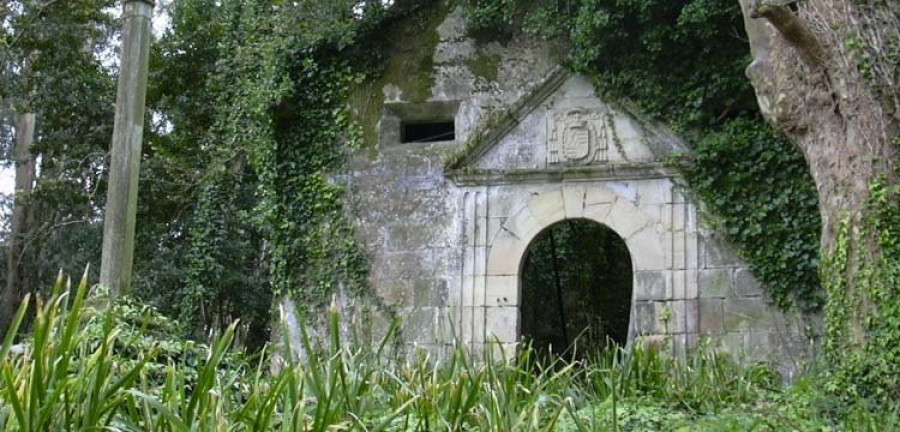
point(577, 137)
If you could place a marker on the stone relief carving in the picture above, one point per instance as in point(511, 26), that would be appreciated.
point(577, 137)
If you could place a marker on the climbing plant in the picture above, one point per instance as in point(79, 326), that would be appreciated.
point(682, 63)
point(865, 352)
point(759, 191)
point(269, 220)
point(266, 207)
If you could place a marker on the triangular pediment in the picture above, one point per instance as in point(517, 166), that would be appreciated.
point(562, 124)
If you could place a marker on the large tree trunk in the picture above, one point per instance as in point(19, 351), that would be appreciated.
point(809, 84)
point(16, 283)
point(822, 76)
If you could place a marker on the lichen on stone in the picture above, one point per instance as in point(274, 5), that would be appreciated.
point(485, 66)
point(408, 49)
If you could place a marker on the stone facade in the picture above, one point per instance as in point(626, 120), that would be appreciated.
point(533, 146)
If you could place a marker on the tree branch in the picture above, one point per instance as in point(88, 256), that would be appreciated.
point(786, 22)
point(38, 14)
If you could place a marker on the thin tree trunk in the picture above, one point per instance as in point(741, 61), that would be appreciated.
point(559, 297)
point(16, 286)
point(125, 154)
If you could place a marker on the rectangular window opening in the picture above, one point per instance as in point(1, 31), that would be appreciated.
point(423, 132)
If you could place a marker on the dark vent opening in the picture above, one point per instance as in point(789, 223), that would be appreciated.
point(428, 132)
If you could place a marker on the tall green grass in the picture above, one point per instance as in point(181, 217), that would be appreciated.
point(86, 367)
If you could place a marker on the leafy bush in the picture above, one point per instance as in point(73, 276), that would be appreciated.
point(92, 364)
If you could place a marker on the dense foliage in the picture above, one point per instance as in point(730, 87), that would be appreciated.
point(740, 173)
point(646, 54)
point(50, 65)
point(121, 368)
point(270, 125)
point(872, 372)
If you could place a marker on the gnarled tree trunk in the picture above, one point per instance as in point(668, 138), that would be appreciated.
point(823, 76)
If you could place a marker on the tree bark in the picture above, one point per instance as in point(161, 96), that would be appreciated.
point(16, 284)
point(809, 84)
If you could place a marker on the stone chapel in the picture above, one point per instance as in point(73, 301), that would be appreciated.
point(477, 146)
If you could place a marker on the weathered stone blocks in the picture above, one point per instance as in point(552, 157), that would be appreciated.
point(711, 315)
point(745, 285)
point(598, 195)
point(649, 285)
point(502, 323)
point(419, 324)
point(717, 254)
point(573, 201)
point(647, 314)
point(547, 208)
point(714, 283)
point(626, 219)
point(647, 249)
point(502, 291)
point(747, 314)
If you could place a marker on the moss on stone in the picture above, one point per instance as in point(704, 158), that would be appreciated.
point(367, 102)
point(409, 48)
point(410, 61)
point(485, 66)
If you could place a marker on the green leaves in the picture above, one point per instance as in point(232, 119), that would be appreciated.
point(865, 352)
point(275, 128)
point(756, 187)
point(85, 368)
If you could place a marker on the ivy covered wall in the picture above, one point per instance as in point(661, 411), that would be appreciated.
point(270, 101)
point(682, 62)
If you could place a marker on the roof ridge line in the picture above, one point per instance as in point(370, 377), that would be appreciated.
point(499, 123)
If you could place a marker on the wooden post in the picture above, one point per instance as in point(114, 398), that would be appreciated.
point(125, 154)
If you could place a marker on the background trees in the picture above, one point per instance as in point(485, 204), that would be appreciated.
point(51, 69)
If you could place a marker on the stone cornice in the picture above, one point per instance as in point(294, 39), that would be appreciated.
point(631, 171)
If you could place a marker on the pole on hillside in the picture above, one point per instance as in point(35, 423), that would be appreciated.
point(125, 152)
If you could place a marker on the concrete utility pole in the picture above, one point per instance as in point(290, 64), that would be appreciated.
point(125, 157)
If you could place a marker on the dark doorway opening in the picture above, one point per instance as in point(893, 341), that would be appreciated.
point(576, 285)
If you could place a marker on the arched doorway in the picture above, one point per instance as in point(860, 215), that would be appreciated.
point(576, 283)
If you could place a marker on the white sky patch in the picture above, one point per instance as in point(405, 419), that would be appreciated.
point(161, 20)
point(7, 180)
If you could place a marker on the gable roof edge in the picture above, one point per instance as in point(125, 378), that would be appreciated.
point(499, 123)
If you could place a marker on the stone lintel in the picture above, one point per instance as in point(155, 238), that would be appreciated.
point(633, 171)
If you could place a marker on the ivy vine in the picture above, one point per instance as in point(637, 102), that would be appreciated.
point(873, 371)
point(270, 219)
point(682, 63)
point(762, 199)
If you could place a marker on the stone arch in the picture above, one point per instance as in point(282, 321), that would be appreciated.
point(642, 232)
point(558, 304)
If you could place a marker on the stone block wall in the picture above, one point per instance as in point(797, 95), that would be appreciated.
point(405, 208)
point(446, 248)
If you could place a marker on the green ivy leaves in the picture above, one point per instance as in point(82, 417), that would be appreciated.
point(763, 199)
